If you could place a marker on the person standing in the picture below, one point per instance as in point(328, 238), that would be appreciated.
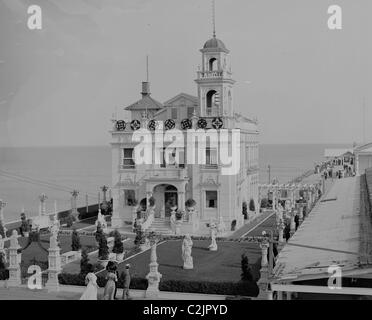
point(91, 291)
point(126, 283)
point(110, 287)
point(112, 268)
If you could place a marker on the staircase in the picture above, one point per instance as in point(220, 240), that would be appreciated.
point(161, 225)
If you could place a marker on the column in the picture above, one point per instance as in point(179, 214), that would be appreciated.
point(279, 295)
point(154, 276)
point(263, 282)
point(2, 206)
point(116, 221)
point(54, 262)
point(281, 235)
point(74, 195)
point(181, 200)
point(292, 224)
point(104, 201)
point(14, 267)
point(42, 207)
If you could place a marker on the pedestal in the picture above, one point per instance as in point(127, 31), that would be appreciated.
point(54, 261)
point(153, 277)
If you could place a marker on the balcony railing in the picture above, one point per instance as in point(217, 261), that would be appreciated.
point(214, 74)
point(167, 173)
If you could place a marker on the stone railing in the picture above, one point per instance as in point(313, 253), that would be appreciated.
point(168, 172)
point(149, 220)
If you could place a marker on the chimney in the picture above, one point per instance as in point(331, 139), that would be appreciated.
point(145, 89)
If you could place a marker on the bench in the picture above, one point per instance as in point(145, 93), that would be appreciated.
point(69, 256)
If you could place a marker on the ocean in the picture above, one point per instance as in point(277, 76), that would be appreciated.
point(25, 173)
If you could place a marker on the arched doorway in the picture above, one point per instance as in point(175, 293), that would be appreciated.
point(165, 197)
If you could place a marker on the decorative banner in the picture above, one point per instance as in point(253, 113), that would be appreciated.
point(169, 124)
point(135, 125)
point(217, 123)
point(120, 125)
point(202, 123)
point(186, 124)
point(152, 125)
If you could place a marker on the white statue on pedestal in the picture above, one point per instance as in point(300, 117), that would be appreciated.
point(221, 227)
point(186, 252)
point(213, 245)
point(101, 220)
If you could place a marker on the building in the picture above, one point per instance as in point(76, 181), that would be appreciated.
point(219, 197)
point(363, 158)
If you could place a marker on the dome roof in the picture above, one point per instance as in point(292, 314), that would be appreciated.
point(215, 43)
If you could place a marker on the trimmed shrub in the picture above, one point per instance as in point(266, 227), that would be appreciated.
point(118, 244)
point(151, 201)
point(264, 203)
point(246, 269)
point(2, 231)
point(233, 225)
point(224, 288)
point(252, 207)
point(245, 210)
point(103, 249)
point(75, 241)
point(85, 266)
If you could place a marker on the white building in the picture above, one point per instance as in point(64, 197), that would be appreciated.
point(363, 158)
point(217, 196)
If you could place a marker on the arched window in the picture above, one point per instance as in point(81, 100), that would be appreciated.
point(212, 64)
point(212, 101)
point(229, 101)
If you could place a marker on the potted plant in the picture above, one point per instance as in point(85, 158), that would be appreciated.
point(118, 246)
point(190, 203)
point(152, 202)
point(179, 214)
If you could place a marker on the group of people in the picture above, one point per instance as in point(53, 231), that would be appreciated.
point(110, 291)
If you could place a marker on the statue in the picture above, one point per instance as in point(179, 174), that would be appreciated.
point(53, 241)
point(101, 220)
point(14, 239)
point(221, 227)
point(186, 252)
point(213, 245)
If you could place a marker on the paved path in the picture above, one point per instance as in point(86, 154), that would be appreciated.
point(259, 222)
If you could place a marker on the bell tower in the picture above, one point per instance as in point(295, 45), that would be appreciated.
point(214, 80)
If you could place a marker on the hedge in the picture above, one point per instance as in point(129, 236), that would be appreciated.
point(223, 288)
point(4, 274)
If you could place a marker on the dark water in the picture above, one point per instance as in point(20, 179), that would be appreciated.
point(57, 171)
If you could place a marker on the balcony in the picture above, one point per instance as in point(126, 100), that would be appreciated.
point(167, 173)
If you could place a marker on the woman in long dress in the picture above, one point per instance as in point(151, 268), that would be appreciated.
point(91, 291)
point(109, 292)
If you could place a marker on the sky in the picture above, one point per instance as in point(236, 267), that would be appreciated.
point(305, 83)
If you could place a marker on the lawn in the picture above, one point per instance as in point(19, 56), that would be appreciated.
point(222, 265)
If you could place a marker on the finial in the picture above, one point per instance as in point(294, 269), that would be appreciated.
point(214, 19)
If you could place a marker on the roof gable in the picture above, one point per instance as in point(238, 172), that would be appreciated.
point(145, 103)
point(185, 96)
point(364, 148)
